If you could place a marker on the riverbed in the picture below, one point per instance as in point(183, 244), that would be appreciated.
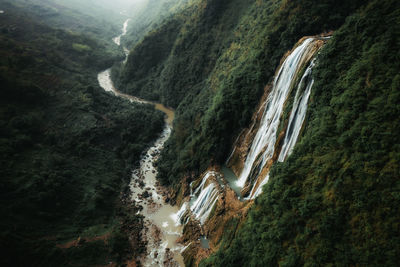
point(161, 231)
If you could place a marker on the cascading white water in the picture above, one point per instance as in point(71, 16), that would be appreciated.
point(296, 120)
point(264, 142)
point(182, 216)
point(298, 113)
point(266, 134)
point(258, 189)
point(201, 203)
point(297, 116)
point(203, 182)
point(204, 204)
point(185, 247)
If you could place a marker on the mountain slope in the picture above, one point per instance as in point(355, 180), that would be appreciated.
point(211, 61)
point(335, 201)
point(66, 149)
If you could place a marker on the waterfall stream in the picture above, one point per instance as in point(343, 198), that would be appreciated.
point(203, 205)
point(202, 201)
point(265, 141)
point(161, 229)
point(298, 113)
point(262, 149)
point(297, 116)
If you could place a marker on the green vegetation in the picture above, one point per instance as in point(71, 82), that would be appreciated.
point(67, 148)
point(335, 201)
point(81, 47)
point(93, 18)
point(147, 16)
point(211, 61)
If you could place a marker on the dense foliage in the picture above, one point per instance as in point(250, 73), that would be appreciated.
point(66, 146)
point(76, 17)
point(146, 16)
point(211, 60)
point(335, 201)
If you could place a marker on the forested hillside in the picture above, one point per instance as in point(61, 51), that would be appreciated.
point(148, 15)
point(334, 202)
point(67, 147)
point(211, 61)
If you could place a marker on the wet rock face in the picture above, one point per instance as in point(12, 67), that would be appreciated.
point(246, 190)
point(191, 231)
point(227, 208)
point(141, 183)
point(169, 259)
point(146, 194)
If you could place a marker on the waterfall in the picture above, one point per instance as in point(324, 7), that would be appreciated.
point(298, 113)
point(182, 216)
point(263, 146)
point(185, 247)
point(203, 182)
point(201, 203)
point(296, 119)
point(256, 190)
point(264, 141)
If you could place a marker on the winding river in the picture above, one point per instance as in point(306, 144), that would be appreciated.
point(161, 231)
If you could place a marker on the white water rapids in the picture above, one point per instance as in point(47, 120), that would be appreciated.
point(162, 230)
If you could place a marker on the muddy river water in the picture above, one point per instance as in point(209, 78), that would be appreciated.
point(162, 229)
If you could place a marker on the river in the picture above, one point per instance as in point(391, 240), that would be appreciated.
point(161, 230)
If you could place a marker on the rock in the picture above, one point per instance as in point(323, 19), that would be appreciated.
point(141, 184)
point(145, 194)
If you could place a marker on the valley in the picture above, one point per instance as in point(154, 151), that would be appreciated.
point(199, 133)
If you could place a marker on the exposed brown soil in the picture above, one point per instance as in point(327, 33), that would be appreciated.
point(81, 240)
